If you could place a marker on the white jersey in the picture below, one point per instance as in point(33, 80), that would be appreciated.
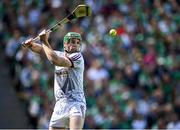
point(68, 81)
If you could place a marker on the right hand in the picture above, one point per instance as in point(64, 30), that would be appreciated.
point(27, 44)
point(44, 36)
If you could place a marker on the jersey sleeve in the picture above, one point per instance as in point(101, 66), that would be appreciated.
point(76, 60)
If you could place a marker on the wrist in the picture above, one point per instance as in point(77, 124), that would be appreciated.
point(45, 42)
point(30, 46)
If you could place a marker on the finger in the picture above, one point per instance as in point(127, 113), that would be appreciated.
point(42, 32)
point(23, 44)
point(48, 32)
point(26, 43)
point(28, 40)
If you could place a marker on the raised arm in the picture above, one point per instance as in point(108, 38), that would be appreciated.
point(51, 55)
point(35, 47)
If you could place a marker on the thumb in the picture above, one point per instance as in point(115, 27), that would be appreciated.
point(42, 32)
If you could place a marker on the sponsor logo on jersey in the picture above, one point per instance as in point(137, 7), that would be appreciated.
point(61, 72)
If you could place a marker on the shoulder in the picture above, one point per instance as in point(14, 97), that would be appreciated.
point(76, 60)
point(75, 56)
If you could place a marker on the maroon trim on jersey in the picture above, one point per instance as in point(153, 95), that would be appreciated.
point(76, 57)
point(72, 64)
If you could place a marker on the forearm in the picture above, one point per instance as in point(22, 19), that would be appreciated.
point(37, 48)
point(48, 51)
point(53, 58)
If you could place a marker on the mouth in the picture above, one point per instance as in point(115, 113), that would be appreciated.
point(73, 48)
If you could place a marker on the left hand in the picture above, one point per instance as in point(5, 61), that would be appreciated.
point(44, 35)
point(28, 43)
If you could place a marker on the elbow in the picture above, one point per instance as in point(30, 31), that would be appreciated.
point(52, 58)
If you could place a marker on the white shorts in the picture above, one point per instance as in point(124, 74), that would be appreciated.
point(63, 111)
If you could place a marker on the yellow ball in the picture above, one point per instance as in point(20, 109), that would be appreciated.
point(113, 32)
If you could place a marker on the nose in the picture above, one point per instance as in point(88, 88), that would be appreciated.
point(75, 41)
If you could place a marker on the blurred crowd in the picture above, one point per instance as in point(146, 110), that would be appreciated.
point(132, 81)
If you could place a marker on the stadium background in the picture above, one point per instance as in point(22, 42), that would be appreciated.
point(131, 81)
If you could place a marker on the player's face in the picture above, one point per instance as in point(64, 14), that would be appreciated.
point(73, 45)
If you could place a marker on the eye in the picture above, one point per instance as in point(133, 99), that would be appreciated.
point(75, 40)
